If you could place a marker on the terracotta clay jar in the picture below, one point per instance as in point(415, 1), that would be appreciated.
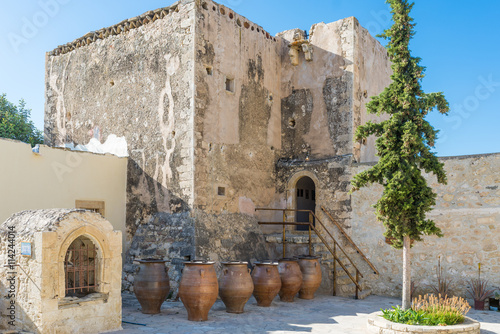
point(266, 281)
point(291, 279)
point(311, 276)
point(151, 285)
point(235, 286)
point(198, 289)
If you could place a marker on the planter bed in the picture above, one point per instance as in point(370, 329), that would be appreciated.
point(379, 325)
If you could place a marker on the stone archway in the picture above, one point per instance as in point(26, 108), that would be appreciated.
point(306, 200)
point(296, 195)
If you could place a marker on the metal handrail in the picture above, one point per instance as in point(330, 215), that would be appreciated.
point(335, 241)
point(338, 260)
point(312, 227)
point(375, 271)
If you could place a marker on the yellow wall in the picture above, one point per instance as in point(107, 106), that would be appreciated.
point(55, 178)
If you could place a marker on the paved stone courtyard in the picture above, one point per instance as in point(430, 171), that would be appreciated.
point(324, 314)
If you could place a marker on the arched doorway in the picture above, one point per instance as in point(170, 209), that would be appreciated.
point(305, 200)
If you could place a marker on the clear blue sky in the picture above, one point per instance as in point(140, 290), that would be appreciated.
point(457, 40)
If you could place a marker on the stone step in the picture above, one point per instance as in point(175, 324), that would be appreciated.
point(365, 293)
point(349, 290)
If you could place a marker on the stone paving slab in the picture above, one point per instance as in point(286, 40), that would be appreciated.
point(324, 314)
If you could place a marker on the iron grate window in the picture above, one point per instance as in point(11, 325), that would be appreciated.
point(80, 268)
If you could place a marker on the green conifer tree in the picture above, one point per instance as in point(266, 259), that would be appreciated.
point(403, 145)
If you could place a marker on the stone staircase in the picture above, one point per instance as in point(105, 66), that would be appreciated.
point(297, 243)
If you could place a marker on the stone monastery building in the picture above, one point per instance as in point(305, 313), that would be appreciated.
point(221, 119)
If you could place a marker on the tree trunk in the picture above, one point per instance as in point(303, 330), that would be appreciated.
point(406, 273)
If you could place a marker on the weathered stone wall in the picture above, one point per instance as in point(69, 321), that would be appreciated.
point(319, 115)
point(137, 84)
point(320, 112)
point(468, 213)
point(372, 72)
point(163, 236)
point(237, 131)
point(331, 182)
point(316, 95)
point(36, 285)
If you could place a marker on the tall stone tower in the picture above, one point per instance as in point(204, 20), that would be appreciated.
point(220, 118)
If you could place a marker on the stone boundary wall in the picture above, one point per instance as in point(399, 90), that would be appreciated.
point(468, 213)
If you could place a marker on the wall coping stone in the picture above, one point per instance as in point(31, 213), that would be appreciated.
point(451, 157)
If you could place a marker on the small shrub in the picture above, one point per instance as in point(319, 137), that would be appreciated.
point(442, 310)
point(478, 290)
point(430, 310)
point(409, 316)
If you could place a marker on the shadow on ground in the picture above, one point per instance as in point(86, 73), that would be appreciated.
point(323, 314)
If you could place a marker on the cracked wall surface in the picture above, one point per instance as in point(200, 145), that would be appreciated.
point(139, 85)
point(237, 132)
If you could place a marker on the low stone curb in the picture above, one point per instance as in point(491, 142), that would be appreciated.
point(379, 325)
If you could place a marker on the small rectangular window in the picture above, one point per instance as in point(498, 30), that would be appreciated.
point(313, 195)
point(210, 70)
point(96, 206)
point(221, 191)
point(230, 85)
point(307, 193)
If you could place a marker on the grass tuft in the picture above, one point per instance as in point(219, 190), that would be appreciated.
point(430, 310)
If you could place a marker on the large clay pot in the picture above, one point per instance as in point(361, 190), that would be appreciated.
point(311, 276)
point(235, 286)
point(266, 281)
point(151, 285)
point(479, 305)
point(198, 289)
point(291, 279)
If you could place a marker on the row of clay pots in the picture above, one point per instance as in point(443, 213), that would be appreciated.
point(199, 287)
point(286, 278)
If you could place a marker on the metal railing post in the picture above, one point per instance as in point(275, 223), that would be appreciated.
point(334, 269)
point(310, 243)
point(284, 232)
point(357, 281)
point(332, 251)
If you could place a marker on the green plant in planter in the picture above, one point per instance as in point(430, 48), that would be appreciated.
point(478, 290)
point(430, 310)
point(444, 284)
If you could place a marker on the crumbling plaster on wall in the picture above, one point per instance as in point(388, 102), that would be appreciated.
point(372, 73)
point(139, 85)
point(237, 131)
